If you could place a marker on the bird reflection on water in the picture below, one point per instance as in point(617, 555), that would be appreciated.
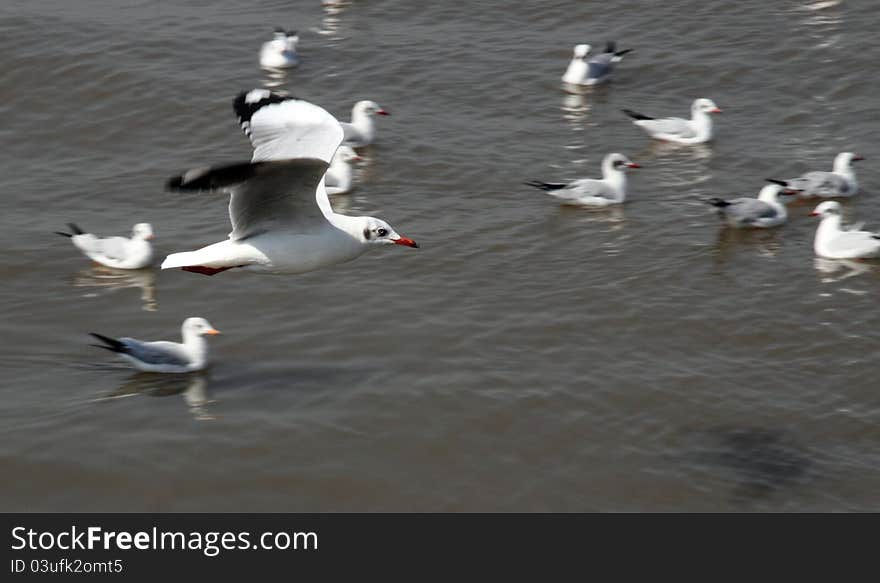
point(108, 279)
point(193, 387)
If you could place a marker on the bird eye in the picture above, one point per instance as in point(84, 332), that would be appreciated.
point(382, 232)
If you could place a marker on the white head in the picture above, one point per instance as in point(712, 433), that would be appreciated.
point(580, 51)
point(291, 40)
point(618, 162)
point(843, 161)
point(142, 231)
point(829, 208)
point(378, 232)
point(770, 192)
point(346, 154)
point(279, 34)
point(704, 105)
point(369, 108)
point(198, 327)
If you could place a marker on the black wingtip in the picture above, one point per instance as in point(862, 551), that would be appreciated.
point(635, 114)
point(63, 234)
point(76, 230)
point(111, 343)
point(623, 52)
point(610, 46)
point(544, 185)
point(719, 202)
point(775, 181)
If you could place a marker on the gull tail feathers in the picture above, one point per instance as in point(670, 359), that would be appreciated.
point(111, 344)
point(635, 114)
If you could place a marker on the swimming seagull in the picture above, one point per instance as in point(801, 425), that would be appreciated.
point(696, 130)
point(361, 131)
point(834, 242)
point(164, 356)
point(118, 252)
point(762, 212)
point(338, 179)
point(281, 217)
point(841, 181)
point(280, 52)
point(597, 70)
point(611, 189)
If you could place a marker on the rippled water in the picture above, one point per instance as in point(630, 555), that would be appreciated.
point(528, 356)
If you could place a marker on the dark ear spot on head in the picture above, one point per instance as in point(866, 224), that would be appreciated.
point(367, 233)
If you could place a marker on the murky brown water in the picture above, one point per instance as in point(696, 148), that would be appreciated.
point(527, 357)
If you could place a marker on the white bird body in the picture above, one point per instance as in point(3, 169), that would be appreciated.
point(609, 190)
point(576, 72)
point(281, 217)
point(361, 130)
point(163, 356)
point(834, 242)
point(280, 52)
point(696, 130)
point(840, 182)
point(117, 252)
point(340, 175)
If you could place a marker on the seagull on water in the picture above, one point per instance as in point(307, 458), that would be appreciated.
point(280, 52)
point(361, 131)
point(281, 217)
point(163, 356)
point(597, 69)
point(339, 177)
point(834, 242)
point(840, 182)
point(117, 252)
point(696, 130)
point(762, 212)
point(610, 189)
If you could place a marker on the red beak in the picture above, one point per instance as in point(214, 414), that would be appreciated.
point(407, 242)
point(716, 110)
point(633, 165)
point(814, 214)
point(358, 158)
point(856, 158)
point(382, 112)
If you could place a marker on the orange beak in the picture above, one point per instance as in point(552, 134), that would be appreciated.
point(407, 242)
point(212, 332)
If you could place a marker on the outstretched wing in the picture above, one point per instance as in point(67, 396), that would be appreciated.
point(265, 195)
point(282, 127)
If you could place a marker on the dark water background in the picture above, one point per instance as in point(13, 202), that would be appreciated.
point(528, 357)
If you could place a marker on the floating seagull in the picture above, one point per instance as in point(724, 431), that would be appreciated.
point(597, 70)
point(280, 52)
point(696, 130)
point(841, 181)
point(338, 179)
point(362, 129)
point(164, 356)
point(762, 212)
point(281, 217)
point(118, 252)
point(834, 242)
point(611, 189)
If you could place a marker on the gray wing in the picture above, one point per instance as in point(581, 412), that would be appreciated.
point(266, 195)
point(280, 195)
point(672, 125)
point(600, 65)
point(158, 353)
point(112, 248)
point(820, 183)
point(747, 210)
point(586, 187)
